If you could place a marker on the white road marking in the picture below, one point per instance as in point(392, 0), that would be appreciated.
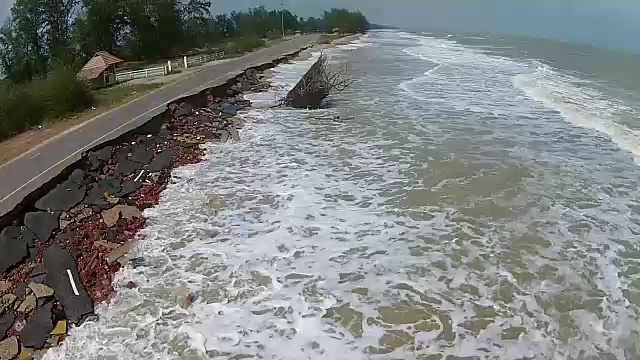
point(73, 283)
point(34, 156)
point(138, 177)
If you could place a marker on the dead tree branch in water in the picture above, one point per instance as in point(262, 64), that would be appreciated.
point(320, 81)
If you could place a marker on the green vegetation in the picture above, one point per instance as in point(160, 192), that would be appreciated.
point(30, 104)
point(45, 42)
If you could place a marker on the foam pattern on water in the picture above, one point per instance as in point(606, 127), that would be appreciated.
point(453, 215)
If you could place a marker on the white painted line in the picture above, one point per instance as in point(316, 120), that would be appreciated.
point(73, 283)
point(77, 132)
point(98, 140)
point(34, 156)
point(139, 176)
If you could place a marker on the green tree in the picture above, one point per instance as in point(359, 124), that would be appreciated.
point(345, 20)
point(195, 18)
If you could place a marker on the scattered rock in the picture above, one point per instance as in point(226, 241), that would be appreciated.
point(184, 109)
point(40, 290)
point(110, 216)
point(230, 109)
point(60, 328)
point(6, 322)
point(62, 198)
point(38, 328)
point(7, 301)
point(9, 348)
point(13, 250)
point(59, 265)
point(42, 223)
point(5, 286)
point(118, 253)
point(28, 304)
point(129, 212)
point(84, 213)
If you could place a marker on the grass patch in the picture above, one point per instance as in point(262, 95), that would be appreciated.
point(104, 100)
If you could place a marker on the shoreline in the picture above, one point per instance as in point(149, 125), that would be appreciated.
point(65, 249)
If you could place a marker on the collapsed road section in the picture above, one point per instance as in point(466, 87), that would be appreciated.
point(63, 244)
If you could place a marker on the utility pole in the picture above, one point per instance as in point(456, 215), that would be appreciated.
point(282, 17)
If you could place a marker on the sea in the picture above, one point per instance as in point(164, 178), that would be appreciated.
point(467, 197)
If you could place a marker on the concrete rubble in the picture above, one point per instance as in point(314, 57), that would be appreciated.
point(61, 253)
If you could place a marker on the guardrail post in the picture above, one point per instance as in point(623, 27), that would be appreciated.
point(146, 73)
point(185, 61)
point(168, 66)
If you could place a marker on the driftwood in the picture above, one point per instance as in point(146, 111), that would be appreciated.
point(319, 82)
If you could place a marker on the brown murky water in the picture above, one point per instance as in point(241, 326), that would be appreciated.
point(455, 216)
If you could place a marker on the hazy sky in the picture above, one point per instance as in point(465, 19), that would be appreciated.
point(611, 23)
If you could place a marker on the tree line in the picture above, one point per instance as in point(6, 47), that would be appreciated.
point(43, 34)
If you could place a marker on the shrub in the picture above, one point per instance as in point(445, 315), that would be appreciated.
point(27, 105)
point(244, 45)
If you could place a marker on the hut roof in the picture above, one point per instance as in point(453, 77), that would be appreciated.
point(97, 64)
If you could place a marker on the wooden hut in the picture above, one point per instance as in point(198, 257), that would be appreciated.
point(100, 69)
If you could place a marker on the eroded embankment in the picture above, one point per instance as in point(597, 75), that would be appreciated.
point(62, 245)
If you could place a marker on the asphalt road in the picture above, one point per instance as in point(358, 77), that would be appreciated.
point(23, 175)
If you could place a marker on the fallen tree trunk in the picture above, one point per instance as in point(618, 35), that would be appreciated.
point(317, 84)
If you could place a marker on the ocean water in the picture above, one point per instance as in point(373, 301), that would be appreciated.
point(478, 201)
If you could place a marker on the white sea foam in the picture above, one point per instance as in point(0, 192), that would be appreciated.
point(581, 104)
point(313, 213)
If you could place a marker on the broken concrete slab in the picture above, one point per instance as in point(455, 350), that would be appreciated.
point(129, 187)
point(184, 109)
point(111, 184)
point(42, 224)
point(60, 328)
point(62, 198)
point(161, 161)
point(102, 154)
point(141, 154)
point(63, 278)
point(28, 236)
point(77, 177)
point(13, 250)
point(127, 167)
point(38, 327)
point(95, 196)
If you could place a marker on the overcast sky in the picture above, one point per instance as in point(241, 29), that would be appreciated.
point(612, 23)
